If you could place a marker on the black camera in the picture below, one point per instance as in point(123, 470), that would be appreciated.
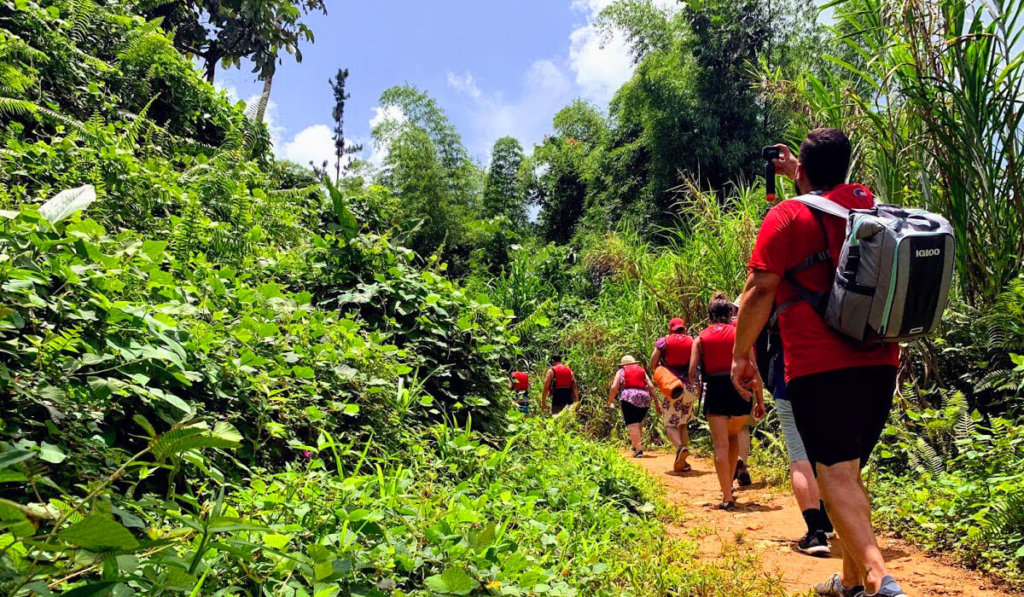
point(770, 154)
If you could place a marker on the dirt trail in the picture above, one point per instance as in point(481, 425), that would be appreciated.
point(768, 520)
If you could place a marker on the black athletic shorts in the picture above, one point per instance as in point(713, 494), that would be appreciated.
point(632, 413)
point(560, 398)
point(721, 398)
point(841, 414)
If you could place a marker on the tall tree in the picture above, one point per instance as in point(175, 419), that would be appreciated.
point(503, 191)
point(338, 113)
point(564, 161)
point(223, 32)
point(428, 169)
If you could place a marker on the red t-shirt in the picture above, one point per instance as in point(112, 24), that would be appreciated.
point(789, 234)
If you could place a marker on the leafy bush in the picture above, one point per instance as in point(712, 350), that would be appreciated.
point(953, 482)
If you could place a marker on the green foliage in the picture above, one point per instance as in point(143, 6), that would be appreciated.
point(225, 32)
point(564, 159)
point(931, 93)
point(952, 481)
point(503, 188)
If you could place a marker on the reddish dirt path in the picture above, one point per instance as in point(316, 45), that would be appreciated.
point(768, 520)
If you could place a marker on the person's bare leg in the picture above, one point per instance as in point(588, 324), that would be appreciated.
point(724, 468)
point(684, 440)
point(634, 436)
point(736, 426)
point(673, 435)
point(744, 439)
point(850, 510)
point(805, 487)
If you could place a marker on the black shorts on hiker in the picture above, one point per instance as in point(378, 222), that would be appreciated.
point(632, 413)
point(721, 398)
point(560, 398)
point(841, 414)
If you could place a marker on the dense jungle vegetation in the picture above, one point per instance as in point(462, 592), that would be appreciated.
point(230, 374)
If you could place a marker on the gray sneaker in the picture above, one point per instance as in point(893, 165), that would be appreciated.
point(890, 588)
point(833, 587)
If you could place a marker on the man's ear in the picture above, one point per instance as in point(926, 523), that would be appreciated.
point(801, 179)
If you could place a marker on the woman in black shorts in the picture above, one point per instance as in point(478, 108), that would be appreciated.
point(726, 410)
point(633, 389)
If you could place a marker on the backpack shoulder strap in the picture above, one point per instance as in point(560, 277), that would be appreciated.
point(821, 204)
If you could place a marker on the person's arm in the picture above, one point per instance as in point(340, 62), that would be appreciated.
point(694, 361)
point(759, 410)
point(547, 389)
point(613, 392)
point(575, 389)
point(655, 358)
point(755, 309)
point(654, 395)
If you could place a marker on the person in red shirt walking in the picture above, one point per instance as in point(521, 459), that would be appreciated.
point(633, 389)
point(673, 353)
point(560, 384)
point(840, 390)
point(726, 409)
point(521, 388)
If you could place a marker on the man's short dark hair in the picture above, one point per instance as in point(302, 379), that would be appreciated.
point(555, 358)
point(825, 158)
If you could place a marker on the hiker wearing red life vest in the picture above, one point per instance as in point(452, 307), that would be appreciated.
point(560, 384)
point(840, 389)
point(634, 391)
point(521, 388)
point(725, 408)
point(670, 363)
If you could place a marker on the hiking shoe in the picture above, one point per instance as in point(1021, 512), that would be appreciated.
point(680, 465)
point(833, 587)
point(742, 476)
point(638, 453)
point(890, 588)
point(814, 544)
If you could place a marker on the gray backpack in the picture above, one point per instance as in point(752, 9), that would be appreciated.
point(893, 276)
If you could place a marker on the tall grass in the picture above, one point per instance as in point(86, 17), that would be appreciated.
point(932, 93)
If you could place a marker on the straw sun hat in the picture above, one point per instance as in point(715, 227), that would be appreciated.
point(627, 360)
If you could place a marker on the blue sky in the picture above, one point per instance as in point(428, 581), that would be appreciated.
point(495, 67)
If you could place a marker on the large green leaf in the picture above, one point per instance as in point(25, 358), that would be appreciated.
point(453, 581)
point(12, 457)
point(193, 437)
point(99, 533)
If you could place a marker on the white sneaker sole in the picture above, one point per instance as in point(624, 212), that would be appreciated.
point(817, 550)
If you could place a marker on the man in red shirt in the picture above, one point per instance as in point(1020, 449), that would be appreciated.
point(560, 383)
point(841, 391)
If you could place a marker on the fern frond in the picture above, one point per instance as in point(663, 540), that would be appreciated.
point(1005, 517)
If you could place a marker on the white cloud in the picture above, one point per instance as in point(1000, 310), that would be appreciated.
point(465, 84)
point(600, 66)
point(381, 114)
point(312, 144)
point(544, 89)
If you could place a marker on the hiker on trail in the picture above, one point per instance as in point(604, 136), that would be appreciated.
point(634, 391)
point(725, 408)
point(670, 363)
point(840, 390)
point(521, 388)
point(560, 383)
point(805, 486)
point(742, 474)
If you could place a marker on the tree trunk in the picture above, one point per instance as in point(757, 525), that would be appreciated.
point(261, 108)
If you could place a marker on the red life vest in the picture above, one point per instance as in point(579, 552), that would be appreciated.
point(716, 342)
point(562, 377)
point(521, 381)
point(677, 350)
point(634, 376)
